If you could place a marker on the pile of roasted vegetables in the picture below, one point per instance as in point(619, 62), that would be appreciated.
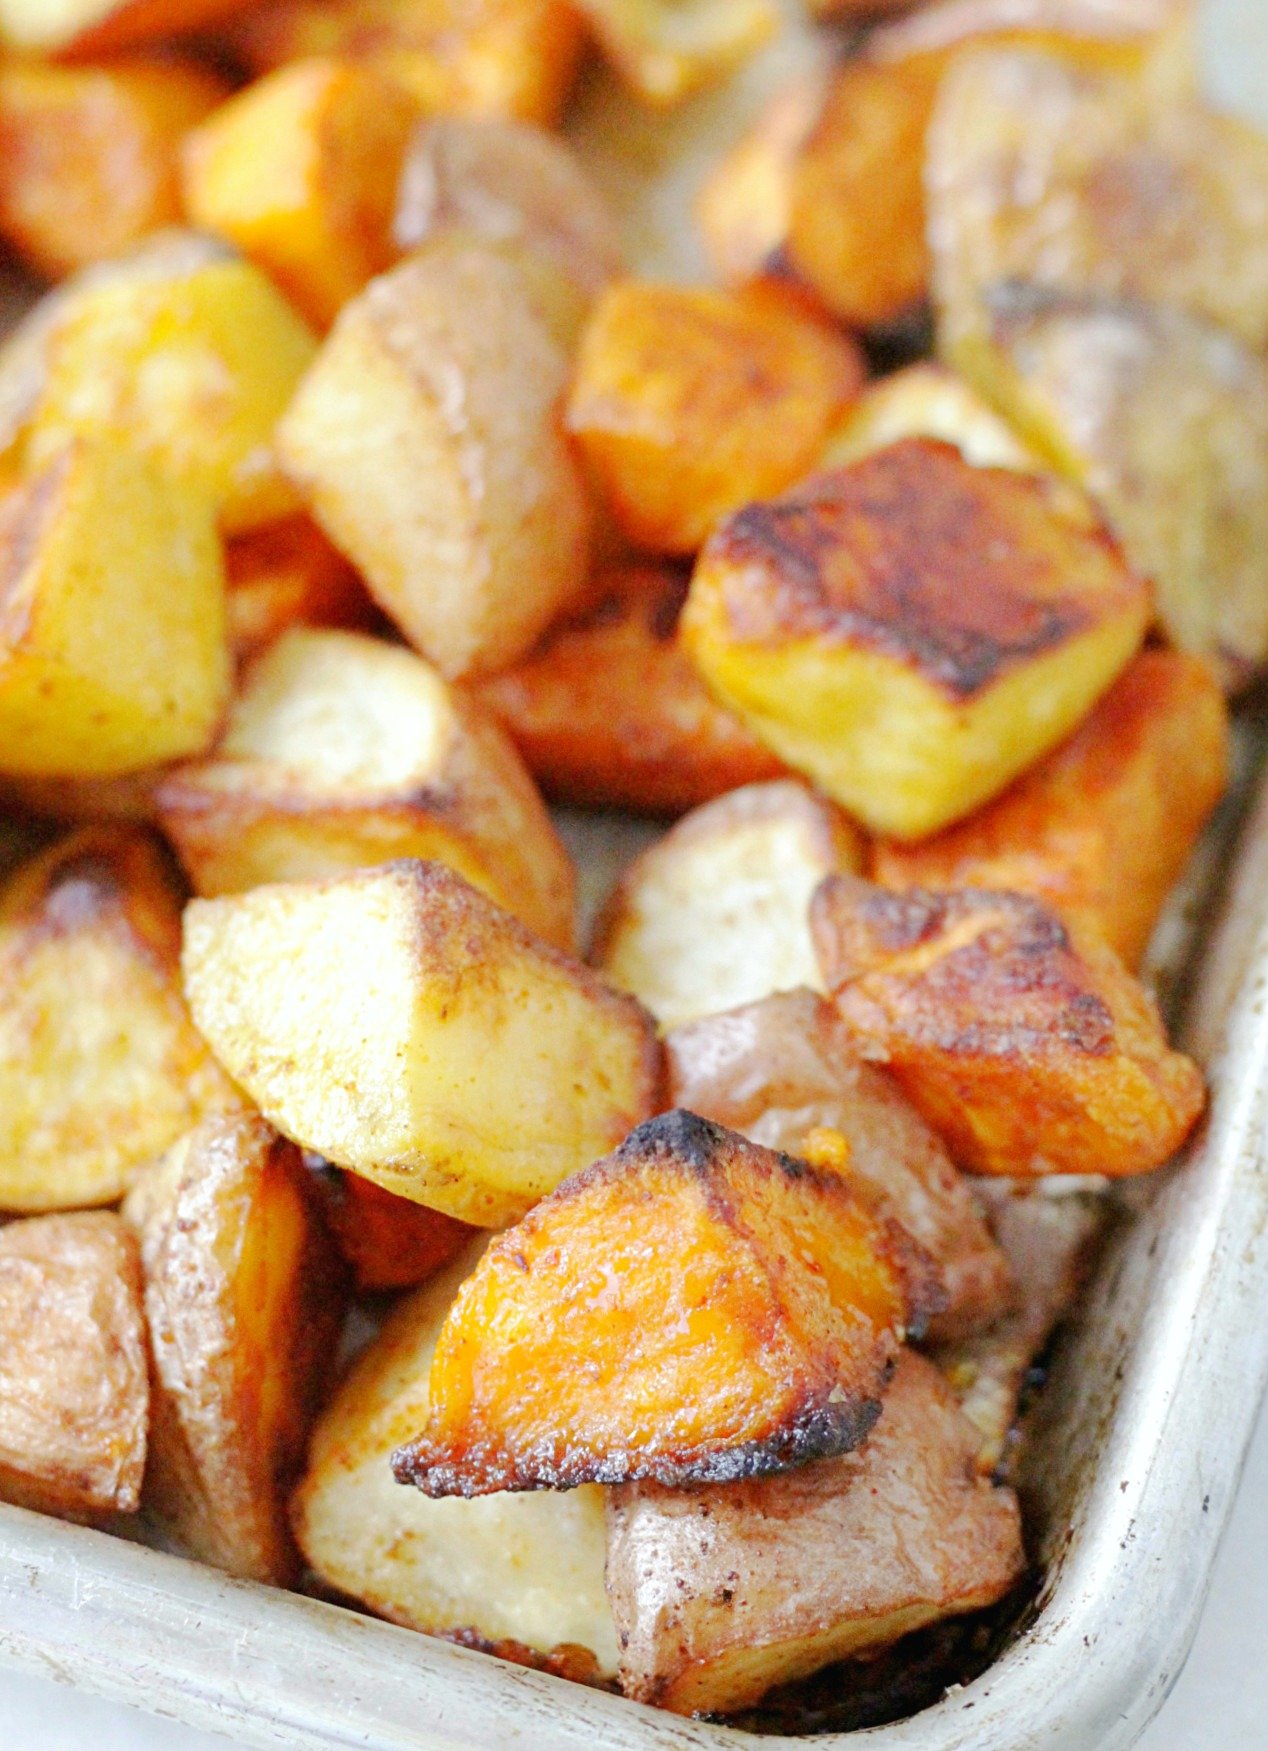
point(362, 485)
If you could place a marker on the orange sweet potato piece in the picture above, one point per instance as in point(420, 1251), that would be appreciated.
point(285, 575)
point(691, 1308)
point(1023, 1041)
point(387, 1242)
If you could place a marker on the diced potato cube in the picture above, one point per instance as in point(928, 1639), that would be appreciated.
point(288, 575)
point(1102, 829)
point(912, 632)
point(667, 49)
point(127, 798)
point(387, 1242)
point(426, 441)
point(1023, 1041)
point(688, 403)
point(74, 1382)
point(717, 913)
point(100, 1065)
point(342, 751)
point(525, 1569)
point(102, 26)
point(244, 1297)
point(721, 1593)
point(928, 401)
point(354, 1013)
point(692, 1309)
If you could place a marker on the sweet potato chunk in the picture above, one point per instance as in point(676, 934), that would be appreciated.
point(387, 1242)
point(783, 1073)
point(100, 1066)
point(716, 914)
point(289, 575)
point(912, 632)
point(609, 713)
point(411, 981)
point(102, 26)
point(1102, 829)
point(688, 403)
point(90, 156)
point(74, 1386)
point(1024, 1042)
point(342, 751)
point(692, 1308)
point(519, 1568)
point(928, 401)
point(721, 1592)
point(427, 444)
point(245, 1301)
point(666, 49)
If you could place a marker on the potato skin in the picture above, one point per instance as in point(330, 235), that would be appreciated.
point(74, 1385)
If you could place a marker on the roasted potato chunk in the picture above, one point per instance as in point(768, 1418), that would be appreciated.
point(688, 403)
point(609, 713)
point(667, 49)
point(100, 1065)
point(102, 26)
point(693, 1308)
point(245, 1300)
point(342, 751)
point(113, 653)
point(410, 979)
point(721, 1592)
point(716, 914)
point(289, 575)
point(90, 156)
point(928, 401)
point(427, 444)
point(912, 632)
point(77, 800)
point(1102, 829)
point(387, 1242)
point(783, 1073)
point(519, 1568)
point(74, 1385)
point(1023, 1041)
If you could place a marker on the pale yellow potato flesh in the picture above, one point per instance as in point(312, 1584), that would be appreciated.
point(667, 49)
point(928, 400)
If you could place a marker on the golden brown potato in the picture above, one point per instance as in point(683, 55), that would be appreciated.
point(609, 713)
point(693, 1308)
point(427, 444)
point(245, 1300)
point(1103, 828)
point(688, 403)
point(1024, 1042)
point(927, 400)
point(74, 1385)
point(717, 913)
point(387, 1242)
point(342, 751)
point(100, 1065)
point(289, 575)
point(912, 632)
point(524, 1569)
point(783, 1073)
point(721, 1592)
point(666, 49)
point(77, 800)
point(95, 27)
point(353, 1012)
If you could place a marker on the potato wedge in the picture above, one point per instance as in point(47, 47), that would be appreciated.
point(1102, 829)
point(289, 575)
point(525, 1569)
point(721, 1592)
point(667, 49)
point(409, 979)
point(245, 1299)
point(426, 443)
point(387, 1242)
point(342, 751)
point(928, 400)
point(783, 1073)
point(694, 1308)
point(1025, 1043)
point(609, 713)
point(74, 1382)
point(103, 26)
point(100, 1065)
point(688, 403)
point(716, 914)
point(912, 632)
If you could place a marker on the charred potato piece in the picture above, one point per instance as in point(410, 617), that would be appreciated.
point(667, 49)
point(519, 1568)
point(609, 713)
point(100, 1065)
point(716, 913)
point(688, 403)
point(245, 1301)
point(342, 751)
point(1103, 828)
point(387, 1242)
point(427, 444)
point(103, 26)
point(410, 978)
point(912, 632)
point(74, 1384)
point(1023, 1042)
point(289, 575)
point(783, 1073)
point(928, 401)
point(721, 1592)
